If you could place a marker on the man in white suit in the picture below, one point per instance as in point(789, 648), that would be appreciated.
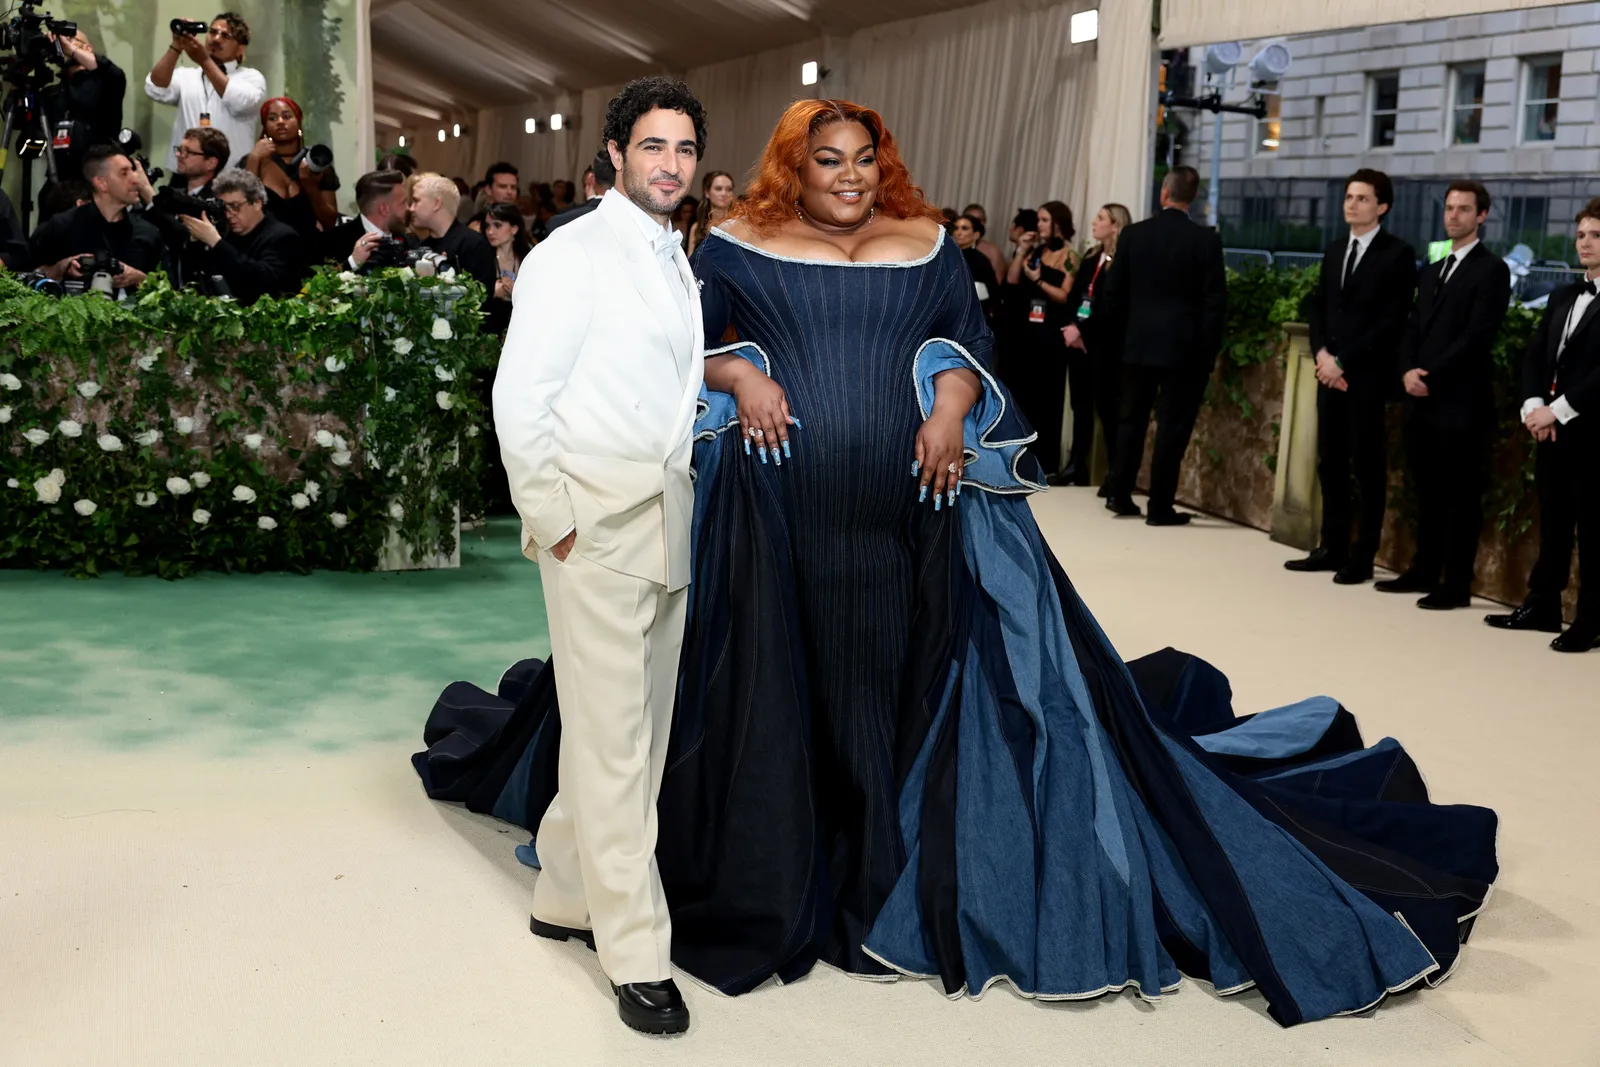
point(594, 401)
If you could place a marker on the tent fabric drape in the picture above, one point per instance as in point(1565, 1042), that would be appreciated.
point(1119, 142)
point(743, 99)
point(1194, 22)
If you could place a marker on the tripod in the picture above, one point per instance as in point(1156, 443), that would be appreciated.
point(23, 109)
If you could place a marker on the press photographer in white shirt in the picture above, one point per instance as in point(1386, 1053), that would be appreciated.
point(219, 91)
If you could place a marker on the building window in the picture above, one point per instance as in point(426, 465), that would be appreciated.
point(1466, 104)
point(1385, 90)
point(1541, 98)
point(1320, 124)
point(1267, 129)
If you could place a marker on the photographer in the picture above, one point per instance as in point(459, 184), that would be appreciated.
point(300, 181)
point(85, 106)
point(201, 155)
point(260, 256)
point(103, 225)
point(222, 93)
point(434, 200)
point(381, 199)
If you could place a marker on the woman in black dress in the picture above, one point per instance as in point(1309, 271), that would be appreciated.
point(297, 192)
point(1039, 278)
point(968, 232)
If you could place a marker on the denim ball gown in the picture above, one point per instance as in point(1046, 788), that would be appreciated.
point(903, 746)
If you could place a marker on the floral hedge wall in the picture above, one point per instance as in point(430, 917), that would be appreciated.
point(177, 433)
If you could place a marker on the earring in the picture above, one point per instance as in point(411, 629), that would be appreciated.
point(797, 212)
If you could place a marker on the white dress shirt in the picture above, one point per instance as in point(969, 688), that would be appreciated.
point(663, 238)
point(1458, 255)
point(1361, 244)
point(236, 113)
point(1559, 407)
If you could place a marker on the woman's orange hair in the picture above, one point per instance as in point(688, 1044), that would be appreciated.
point(770, 199)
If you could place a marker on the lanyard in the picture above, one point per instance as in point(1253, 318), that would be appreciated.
point(1099, 263)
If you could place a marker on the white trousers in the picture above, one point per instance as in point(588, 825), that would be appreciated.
point(615, 641)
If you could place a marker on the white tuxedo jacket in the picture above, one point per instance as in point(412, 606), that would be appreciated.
point(595, 397)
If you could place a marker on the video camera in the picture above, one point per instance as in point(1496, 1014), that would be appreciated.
point(172, 202)
point(30, 39)
point(393, 252)
point(130, 144)
point(187, 28)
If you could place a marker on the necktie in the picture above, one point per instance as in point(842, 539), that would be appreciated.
point(666, 243)
point(1449, 266)
point(1350, 262)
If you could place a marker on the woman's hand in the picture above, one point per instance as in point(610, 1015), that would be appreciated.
point(764, 416)
point(939, 457)
point(502, 288)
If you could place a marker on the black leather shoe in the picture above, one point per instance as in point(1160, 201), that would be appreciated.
point(1071, 474)
point(1409, 582)
point(1580, 637)
point(561, 933)
point(1319, 560)
point(1123, 508)
point(1168, 518)
point(1440, 600)
point(1353, 573)
point(652, 1007)
point(1530, 616)
point(1104, 492)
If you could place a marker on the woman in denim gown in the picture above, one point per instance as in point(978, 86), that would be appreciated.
point(902, 744)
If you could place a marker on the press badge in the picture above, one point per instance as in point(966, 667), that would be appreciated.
point(1084, 309)
point(63, 138)
point(1036, 310)
point(205, 118)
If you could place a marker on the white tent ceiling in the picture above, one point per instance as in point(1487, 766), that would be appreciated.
point(438, 58)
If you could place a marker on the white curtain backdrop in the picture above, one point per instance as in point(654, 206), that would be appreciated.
point(1192, 22)
point(1119, 142)
point(743, 99)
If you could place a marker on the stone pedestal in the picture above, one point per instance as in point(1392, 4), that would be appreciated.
point(1297, 499)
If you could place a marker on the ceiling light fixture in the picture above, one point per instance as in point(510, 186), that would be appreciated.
point(555, 121)
point(1085, 27)
point(402, 140)
point(455, 131)
point(441, 135)
point(530, 125)
point(808, 73)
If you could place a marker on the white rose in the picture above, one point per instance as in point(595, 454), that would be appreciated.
point(36, 436)
point(407, 272)
point(58, 476)
point(348, 276)
point(12, 483)
point(145, 500)
point(183, 424)
point(324, 438)
point(388, 394)
point(444, 400)
point(300, 501)
point(334, 364)
point(339, 519)
point(147, 438)
point(444, 374)
point(48, 490)
point(244, 494)
point(84, 507)
point(372, 461)
point(341, 459)
point(472, 431)
point(177, 486)
point(448, 274)
point(397, 511)
point(201, 516)
point(88, 390)
point(68, 428)
point(10, 382)
point(5, 416)
point(201, 479)
point(267, 522)
point(109, 442)
point(313, 490)
point(402, 345)
point(441, 330)
point(148, 361)
point(252, 441)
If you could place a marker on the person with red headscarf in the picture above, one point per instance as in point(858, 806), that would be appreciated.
point(297, 193)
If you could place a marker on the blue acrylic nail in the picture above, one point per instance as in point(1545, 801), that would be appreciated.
point(776, 458)
point(950, 497)
point(915, 466)
point(923, 496)
point(786, 453)
point(747, 446)
point(936, 499)
point(796, 423)
point(763, 453)
point(958, 489)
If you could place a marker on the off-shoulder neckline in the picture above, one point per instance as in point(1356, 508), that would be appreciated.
point(931, 255)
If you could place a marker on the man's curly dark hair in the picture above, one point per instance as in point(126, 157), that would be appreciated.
point(642, 96)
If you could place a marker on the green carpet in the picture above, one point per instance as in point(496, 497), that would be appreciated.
point(238, 662)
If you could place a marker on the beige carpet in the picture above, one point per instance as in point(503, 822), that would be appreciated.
point(233, 894)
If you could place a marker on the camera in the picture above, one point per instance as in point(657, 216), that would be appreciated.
point(319, 157)
point(41, 284)
point(187, 27)
point(28, 37)
point(172, 202)
point(130, 144)
point(393, 252)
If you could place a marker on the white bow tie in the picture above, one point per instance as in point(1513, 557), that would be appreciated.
point(666, 243)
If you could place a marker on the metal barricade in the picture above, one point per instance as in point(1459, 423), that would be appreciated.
point(1245, 258)
point(1295, 260)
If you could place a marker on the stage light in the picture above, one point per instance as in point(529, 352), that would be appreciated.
point(555, 121)
point(441, 135)
point(1085, 27)
point(1271, 63)
point(1221, 58)
point(808, 73)
point(530, 125)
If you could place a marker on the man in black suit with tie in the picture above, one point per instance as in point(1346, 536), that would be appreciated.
point(381, 201)
point(1166, 293)
point(1561, 380)
point(1358, 320)
point(1446, 364)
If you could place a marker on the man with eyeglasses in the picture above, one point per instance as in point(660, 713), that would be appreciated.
point(219, 91)
point(260, 256)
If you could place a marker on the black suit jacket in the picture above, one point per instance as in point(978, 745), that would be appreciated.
point(1166, 293)
point(1100, 339)
point(561, 218)
point(469, 251)
point(267, 261)
point(1451, 335)
point(335, 245)
point(1363, 324)
point(1576, 373)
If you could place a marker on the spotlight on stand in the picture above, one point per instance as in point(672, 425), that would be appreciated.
point(1221, 58)
point(1271, 63)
